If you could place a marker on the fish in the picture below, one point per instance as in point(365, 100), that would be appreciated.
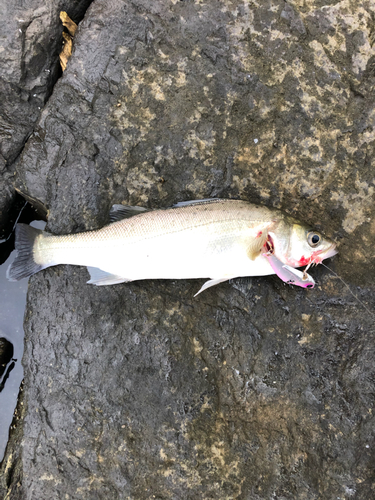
point(219, 239)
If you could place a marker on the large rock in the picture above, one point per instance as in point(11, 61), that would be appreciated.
point(29, 65)
point(6, 199)
point(254, 389)
point(31, 39)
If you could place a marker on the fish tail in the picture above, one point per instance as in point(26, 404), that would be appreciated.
point(24, 264)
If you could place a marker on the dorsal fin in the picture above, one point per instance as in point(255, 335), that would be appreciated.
point(120, 212)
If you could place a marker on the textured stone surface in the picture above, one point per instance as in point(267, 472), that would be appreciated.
point(6, 198)
point(30, 43)
point(254, 389)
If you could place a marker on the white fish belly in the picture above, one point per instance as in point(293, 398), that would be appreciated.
point(181, 257)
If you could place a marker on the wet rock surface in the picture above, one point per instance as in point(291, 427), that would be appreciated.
point(30, 42)
point(6, 199)
point(29, 67)
point(254, 389)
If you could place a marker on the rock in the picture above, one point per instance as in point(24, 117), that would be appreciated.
point(255, 389)
point(29, 67)
point(6, 199)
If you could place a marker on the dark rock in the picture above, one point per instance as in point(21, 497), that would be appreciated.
point(29, 66)
point(254, 389)
point(7, 196)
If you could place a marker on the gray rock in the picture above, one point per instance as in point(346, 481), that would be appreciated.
point(29, 65)
point(6, 197)
point(254, 389)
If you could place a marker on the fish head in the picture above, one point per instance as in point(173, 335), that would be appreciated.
point(308, 246)
point(299, 245)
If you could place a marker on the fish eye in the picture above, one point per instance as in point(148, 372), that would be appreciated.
point(313, 238)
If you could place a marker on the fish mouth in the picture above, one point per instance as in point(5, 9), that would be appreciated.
point(326, 254)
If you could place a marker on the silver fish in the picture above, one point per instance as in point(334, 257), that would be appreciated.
point(216, 238)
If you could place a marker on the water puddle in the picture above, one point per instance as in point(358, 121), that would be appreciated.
point(12, 309)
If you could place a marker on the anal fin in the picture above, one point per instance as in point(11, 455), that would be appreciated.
point(100, 277)
point(210, 283)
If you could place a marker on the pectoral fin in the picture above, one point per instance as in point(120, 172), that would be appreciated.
point(210, 283)
point(257, 243)
point(99, 277)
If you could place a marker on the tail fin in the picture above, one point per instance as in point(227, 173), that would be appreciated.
point(24, 264)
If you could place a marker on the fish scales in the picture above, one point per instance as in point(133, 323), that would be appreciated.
point(155, 223)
